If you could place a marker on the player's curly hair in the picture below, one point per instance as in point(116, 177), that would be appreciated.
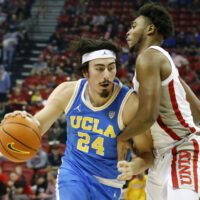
point(85, 45)
point(160, 17)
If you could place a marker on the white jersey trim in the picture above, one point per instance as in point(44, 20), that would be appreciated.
point(71, 101)
point(57, 187)
point(120, 118)
point(174, 72)
point(110, 182)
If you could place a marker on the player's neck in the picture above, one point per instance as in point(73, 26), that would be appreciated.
point(96, 100)
point(151, 42)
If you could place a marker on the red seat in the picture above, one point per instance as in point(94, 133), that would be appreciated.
point(8, 166)
point(28, 173)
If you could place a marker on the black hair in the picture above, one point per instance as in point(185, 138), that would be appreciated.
point(160, 17)
point(85, 45)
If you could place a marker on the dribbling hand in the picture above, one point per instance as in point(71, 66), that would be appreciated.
point(22, 114)
point(18, 112)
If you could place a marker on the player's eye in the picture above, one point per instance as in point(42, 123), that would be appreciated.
point(99, 68)
point(112, 67)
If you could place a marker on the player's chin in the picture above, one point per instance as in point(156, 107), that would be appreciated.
point(130, 44)
point(105, 93)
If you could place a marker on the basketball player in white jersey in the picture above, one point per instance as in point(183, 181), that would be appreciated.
point(168, 106)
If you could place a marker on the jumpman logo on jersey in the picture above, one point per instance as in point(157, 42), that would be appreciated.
point(114, 196)
point(78, 108)
point(104, 53)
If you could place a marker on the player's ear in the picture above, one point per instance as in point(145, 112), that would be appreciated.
point(151, 29)
point(85, 74)
point(85, 70)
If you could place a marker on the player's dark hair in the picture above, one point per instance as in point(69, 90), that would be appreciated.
point(85, 45)
point(160, 17)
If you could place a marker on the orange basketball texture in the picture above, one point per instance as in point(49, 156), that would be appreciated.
point(20, 138)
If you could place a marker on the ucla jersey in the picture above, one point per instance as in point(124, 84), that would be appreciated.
point(92, 132)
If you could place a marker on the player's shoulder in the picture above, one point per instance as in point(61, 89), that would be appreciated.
point(150, 60)
point(65, 89)
point(151, 55)
point(67, 86)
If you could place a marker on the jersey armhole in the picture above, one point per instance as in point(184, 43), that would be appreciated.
point(173, 67)
point(71, 101)
point(120, 119)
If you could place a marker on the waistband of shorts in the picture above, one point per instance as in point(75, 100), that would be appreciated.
point(162, 151)
point(110, 182)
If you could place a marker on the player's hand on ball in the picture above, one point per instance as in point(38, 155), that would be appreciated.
point(18, 112)
point(126, 169)
point(20, 136)
point(23, 114)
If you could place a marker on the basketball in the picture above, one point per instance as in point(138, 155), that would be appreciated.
point(20, 138)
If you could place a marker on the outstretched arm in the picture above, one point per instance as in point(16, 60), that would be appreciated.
point(194, 102)
point(55, 106)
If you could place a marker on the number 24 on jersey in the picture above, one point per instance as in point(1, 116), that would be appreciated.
point(84, 142)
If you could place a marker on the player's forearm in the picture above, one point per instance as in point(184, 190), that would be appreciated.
point(43, 125)
point(140, 164)
point(46, 117)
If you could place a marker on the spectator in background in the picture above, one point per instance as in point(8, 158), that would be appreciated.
point(63, 126)
point(55, 132)
point(180, 60)
point(39, 161)
point(49, 193)
point(56, 39)
point(10, 41)
point(190, 75)
point(16, 186)
point(2, 15)
point(23, 181)
point(33, 80)
point(40, 63)
point(3, 185)
point(60, 76)
point(3, 176)
point(3, 191)
point(98, 19)
point(5, 84)
point(136, 188)
point(39, 185)
point(17, 99)
point(54, 156)
point(181, 39)
point(36, 97)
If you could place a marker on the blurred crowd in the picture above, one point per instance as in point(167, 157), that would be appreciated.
point(14, 15)
point(58, 63)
